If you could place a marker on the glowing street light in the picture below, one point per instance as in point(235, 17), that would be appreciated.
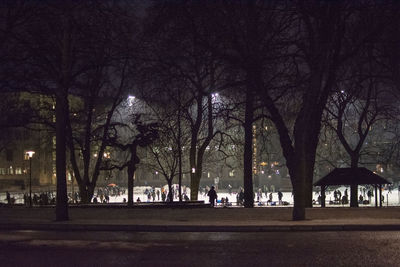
point(131, 98)
point(215, 98)
point(29, 154)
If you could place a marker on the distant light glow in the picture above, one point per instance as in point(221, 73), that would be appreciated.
point(131, 98)
point(215, 98)
point(30, 153)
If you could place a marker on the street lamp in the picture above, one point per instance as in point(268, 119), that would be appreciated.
point(29, 154)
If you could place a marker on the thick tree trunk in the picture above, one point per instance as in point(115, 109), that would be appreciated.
point(306, 140)
point(86, 193)
point(299, 195)
point(354, 188)
point(309, 178)
point(83, 193)
point(170, 196)
point(61, 120)
point(248, 152)
point(194, 186)
point(300, 186)
point(354, 196)
point(131, 173)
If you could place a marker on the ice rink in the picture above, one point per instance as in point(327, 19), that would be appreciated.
point(391, 198)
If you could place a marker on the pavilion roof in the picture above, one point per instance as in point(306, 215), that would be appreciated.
point(351, 176)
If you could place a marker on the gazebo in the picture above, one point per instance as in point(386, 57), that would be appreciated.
point(352, 176)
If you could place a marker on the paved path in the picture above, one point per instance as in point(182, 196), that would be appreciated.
point(201, 220)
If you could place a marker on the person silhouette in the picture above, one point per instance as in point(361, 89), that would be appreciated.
point(212, 196)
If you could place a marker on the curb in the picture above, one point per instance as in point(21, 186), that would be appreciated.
point(195, 228)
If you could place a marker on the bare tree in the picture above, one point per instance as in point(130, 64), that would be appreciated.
point(354, 110)
point(192, 74)
point(101, 88)
point(126, 135)
point(280, 46)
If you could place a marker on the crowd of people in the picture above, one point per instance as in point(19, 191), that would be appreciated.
point(229, 196)
point(38, 199)
point(103, 194)
point(258, 196)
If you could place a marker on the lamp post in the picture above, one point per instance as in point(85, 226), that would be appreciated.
point(30, 155)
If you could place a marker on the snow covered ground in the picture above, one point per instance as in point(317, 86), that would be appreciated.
point(139, 192)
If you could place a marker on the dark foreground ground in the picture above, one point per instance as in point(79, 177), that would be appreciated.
point(53, 248)
point(110, 236)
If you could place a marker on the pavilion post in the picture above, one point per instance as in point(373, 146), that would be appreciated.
point(380, 196)
point(376, 195)
point(323, 196)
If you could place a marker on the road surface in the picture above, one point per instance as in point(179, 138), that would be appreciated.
point(78, 248)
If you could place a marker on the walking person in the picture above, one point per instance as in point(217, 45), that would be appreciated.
point(241, 197)
point(8, 197)
point(280, 195)
point(212, 196)
point(369, 194)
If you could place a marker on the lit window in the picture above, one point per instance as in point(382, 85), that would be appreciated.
point(18, 170)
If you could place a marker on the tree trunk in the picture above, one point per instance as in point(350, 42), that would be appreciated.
point(194, 186)
point(354, 188)
point(61, 120)
point(299, 182)
point(299, 195)
point(86, 192)
point(179, 152)
point(83, 193)
point(170, 196)
point(354, 196)
point(248, 152)
point(309, 178)
point(131, 173)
